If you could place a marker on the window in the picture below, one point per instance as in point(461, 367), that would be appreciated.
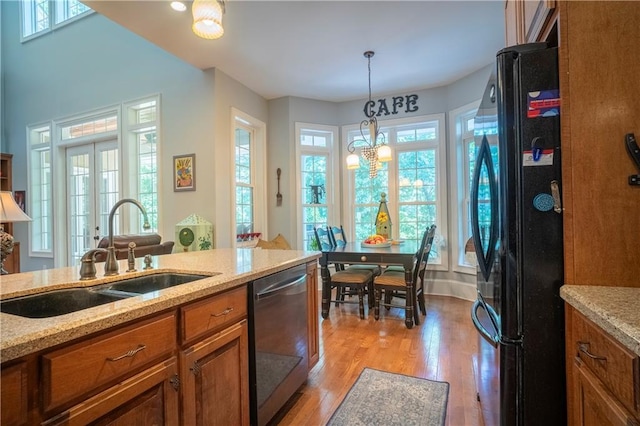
point(414, 182)
point(244, 182)
point(99, 158)
point(40, 193)
point(315, 166)
point(250, 179)
point(41, 16)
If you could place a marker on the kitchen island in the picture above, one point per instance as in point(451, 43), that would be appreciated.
point(70, 366)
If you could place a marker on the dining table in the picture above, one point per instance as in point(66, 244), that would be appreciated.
point(400, 253)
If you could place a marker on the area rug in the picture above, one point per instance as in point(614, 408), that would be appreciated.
point(382, 398)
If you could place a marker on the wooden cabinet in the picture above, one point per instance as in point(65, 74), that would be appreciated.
point(13, 395)
point(131, 374)
point(312, 321)
point(599, 62)
point(604, 381)
point(215, 379)
point(527, 21)
point(148, 398)
point(104, 359)
point(215, 370)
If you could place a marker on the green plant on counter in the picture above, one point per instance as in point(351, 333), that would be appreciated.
point(204, 243)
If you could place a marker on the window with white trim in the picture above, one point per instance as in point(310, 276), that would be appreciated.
point(248, 191)
point(40, 198)
point(414, 182)
point(315, 166)
point(41, 16)
point(461, 126)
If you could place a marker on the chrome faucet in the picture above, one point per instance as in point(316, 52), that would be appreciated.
point(111, 265)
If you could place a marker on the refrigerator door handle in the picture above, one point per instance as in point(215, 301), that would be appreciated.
point(484, 252)
point(493, 340)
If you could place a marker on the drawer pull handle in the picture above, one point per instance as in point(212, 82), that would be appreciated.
point(129, 354)
point(225, 312)
point(584, 348)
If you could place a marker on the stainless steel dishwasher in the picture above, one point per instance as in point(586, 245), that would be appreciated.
point(278, 336)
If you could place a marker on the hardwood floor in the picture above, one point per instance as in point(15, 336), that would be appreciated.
point(440, 348)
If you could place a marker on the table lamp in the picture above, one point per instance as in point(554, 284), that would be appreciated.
point(9, 212)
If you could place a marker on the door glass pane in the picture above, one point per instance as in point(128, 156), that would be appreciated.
point(79, 190)
point(108, 190)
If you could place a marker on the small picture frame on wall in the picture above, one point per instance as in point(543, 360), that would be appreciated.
point(184, 172)
point(20, 197)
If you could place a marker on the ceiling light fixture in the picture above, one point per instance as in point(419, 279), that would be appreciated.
point(207, 18)
point(375, 149)
point(178, 6)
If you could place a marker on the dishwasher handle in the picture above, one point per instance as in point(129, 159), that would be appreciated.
point(280, 287)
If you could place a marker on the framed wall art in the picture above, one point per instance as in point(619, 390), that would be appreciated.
point(184, 172)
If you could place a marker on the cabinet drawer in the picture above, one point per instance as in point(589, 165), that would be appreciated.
point(610, 362)
point(80, 368)
point(213, 313)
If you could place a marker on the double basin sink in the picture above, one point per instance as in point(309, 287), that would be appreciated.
point(60, 302)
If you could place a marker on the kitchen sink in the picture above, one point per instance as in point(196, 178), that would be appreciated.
point(60, 302)
point(155, 282)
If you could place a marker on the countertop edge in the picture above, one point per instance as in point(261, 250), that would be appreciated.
point(614, 309)
point(38, 335)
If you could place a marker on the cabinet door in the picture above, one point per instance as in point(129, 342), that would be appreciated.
point(513, 26)
point(594, 405)
point(148, 398)
point(13, 394)
point(215, 374)
point(535, 14)
point(312, 321)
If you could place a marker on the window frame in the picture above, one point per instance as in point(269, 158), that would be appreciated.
point(460, 192)
point(53, 6)
point(389, 127)
point(46, 219)
point(258, 174)
point(332, 196)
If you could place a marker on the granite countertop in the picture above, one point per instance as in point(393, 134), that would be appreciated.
point(615, 309)
point(235, 267)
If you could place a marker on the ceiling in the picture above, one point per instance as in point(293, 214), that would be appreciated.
point(314, 49)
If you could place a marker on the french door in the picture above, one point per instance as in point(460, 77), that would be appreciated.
point(93, 187)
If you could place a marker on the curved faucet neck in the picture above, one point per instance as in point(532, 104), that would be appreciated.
point(113, 211)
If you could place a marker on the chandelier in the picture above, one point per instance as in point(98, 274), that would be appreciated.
point(375, 149)
point(207, 18)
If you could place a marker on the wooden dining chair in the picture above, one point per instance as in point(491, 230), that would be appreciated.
point(392, 281)
point(339, 239)
point(347, 280)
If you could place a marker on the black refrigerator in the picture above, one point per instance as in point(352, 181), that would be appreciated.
point(516, 215)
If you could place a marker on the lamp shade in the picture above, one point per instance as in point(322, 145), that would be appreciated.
point(207, 19)
point(353, 161)
point(384, 153)
point(9, 210)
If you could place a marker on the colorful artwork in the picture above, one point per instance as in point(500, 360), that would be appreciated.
point(184, 172)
